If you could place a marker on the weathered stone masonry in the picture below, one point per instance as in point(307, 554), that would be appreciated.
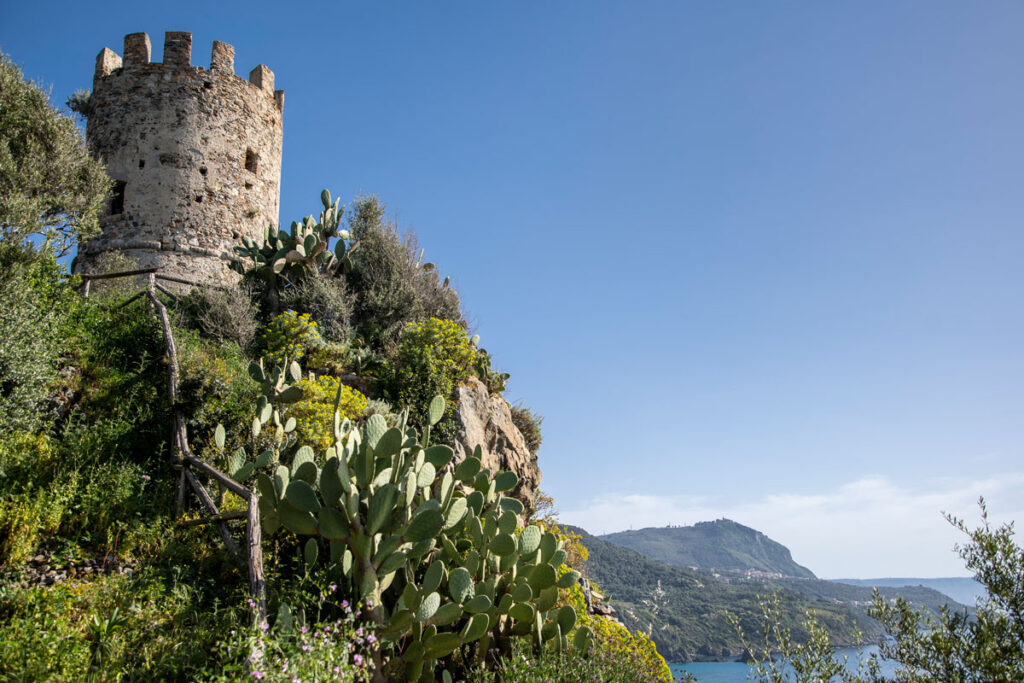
point(195, 153)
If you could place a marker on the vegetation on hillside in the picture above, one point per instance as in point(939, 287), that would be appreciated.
point(380, 562)
point(689, 612)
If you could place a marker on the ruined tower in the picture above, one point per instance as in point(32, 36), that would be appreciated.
point(195, 155)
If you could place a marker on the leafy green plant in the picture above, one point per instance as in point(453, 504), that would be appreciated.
point(222, 314)
point(337, 649)
point(151, 626)
point(602, 663)
point(924, 646)
point(432, 358)
point(327, 301)
point(390, 283)
point(957, 646)
point(35, 301)
point(496, 382)
point(529, 425)
point(776, 657)
point(49, 184)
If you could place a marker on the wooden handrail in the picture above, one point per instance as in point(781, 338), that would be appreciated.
point(230, 515)
point(89, 277)
point(110, 276)
point(183, 458)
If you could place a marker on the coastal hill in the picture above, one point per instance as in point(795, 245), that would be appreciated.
point(722, 545)
point(685, 610)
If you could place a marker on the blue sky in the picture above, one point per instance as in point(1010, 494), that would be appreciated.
point(756, 260)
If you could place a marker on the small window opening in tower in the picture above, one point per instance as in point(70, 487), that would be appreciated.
point(117, 201)
point(252, 161)
point(202, 170)
point(142, 163)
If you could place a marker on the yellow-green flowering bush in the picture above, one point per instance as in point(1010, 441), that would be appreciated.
point(432, 358)
point(634, 651)
point(314, 414)
point(288, 336)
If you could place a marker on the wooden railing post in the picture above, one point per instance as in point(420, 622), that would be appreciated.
point(183, 459)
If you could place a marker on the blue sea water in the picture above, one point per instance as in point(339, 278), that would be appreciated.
point(737, 672)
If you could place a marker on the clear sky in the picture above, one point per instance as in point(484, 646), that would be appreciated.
point(755, 260)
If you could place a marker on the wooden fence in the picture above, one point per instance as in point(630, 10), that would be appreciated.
point(186, 462)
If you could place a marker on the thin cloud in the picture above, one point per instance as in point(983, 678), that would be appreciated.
point(867, 528)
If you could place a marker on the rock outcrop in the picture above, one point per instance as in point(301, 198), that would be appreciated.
point(486, 420)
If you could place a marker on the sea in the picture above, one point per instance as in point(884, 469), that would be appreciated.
point(738, 672)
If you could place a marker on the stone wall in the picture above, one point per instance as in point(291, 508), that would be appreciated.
point(196, 153)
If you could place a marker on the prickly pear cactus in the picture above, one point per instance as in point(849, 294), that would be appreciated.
point(439, 551)
point(306, 247)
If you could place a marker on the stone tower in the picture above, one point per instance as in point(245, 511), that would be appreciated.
point(195, 155)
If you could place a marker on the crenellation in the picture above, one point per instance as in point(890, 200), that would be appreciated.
point(106, 62)
point(197, 154)
point(137, 49)
point(178, 48)
point(222, 58)
point(263, 78)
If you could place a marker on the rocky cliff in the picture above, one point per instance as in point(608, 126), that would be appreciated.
point(485, 419)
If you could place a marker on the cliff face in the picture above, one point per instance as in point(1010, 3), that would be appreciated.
point(486, 420)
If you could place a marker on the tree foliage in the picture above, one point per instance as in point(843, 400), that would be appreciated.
point(952, 646)
point(955, 646)
point(391, 284)
point(34, 298)
point(49, 185)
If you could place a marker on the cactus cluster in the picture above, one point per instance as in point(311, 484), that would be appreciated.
point(290, 255)
point(438, 550)
point(277, 390)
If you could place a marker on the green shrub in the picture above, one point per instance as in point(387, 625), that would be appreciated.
point(327, 302)
point(120, 382)
point(389, 284)
point(627, 651)
point(339, 649)
point(289, 336)
point(496, 382)
point(145, 627)
point(95, 478)
point(50, 186)
point(314, 414)
point(215, 388)
point(432, 358)
point(35, 300)
point(529, 424)
point(29, 511)
point(328, 358)
point(602, 664)
point(222, 314)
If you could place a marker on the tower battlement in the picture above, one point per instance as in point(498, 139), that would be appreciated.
point(195, 154)
point(178, 55)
